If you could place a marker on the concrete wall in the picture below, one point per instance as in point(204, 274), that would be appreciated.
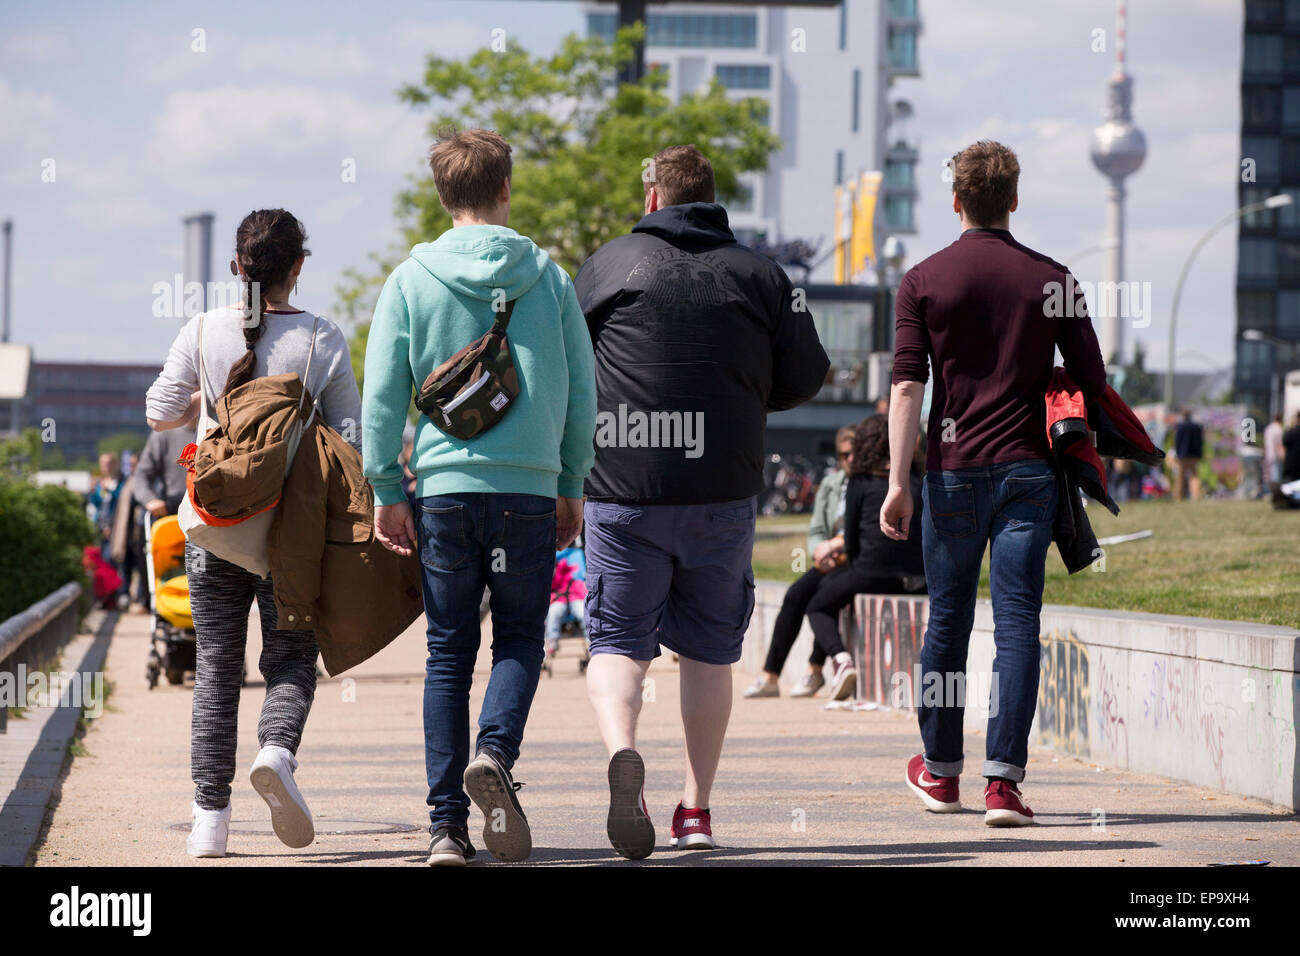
point(1210, 702)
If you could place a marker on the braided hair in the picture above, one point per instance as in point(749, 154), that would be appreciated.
point(268, 243)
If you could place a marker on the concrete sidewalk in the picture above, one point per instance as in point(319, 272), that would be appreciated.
point(798, 785)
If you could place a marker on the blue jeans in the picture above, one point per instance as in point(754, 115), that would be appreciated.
point(1012, 505)
point(506, 542)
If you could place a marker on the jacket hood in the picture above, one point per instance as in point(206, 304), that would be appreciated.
point(690, 225)
point(475, 260)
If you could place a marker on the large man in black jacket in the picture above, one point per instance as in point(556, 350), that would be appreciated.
point(696, 339)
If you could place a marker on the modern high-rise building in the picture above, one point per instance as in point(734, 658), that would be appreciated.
point(827, 73)
point(1268, 243)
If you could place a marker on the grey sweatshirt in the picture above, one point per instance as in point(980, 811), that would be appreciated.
point(157, 475)
point(282, 348)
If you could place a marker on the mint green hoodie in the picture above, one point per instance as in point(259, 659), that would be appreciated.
point(437, 302)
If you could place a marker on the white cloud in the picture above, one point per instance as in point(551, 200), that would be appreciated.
point(233, 133)
point(34, 47)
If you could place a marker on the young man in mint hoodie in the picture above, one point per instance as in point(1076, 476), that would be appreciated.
point(490, 511)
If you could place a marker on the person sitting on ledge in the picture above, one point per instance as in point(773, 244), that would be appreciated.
point(876, 564)
point(826, 546)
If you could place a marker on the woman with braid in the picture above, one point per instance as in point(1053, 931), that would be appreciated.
point(265, 335)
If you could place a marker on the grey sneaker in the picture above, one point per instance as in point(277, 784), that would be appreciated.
point(505, 828)
point(762, 687)
point(628, 825)
point(808, 685)
point(450, 846)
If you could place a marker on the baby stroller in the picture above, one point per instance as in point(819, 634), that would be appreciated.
point(169, 599)
point(568, 586)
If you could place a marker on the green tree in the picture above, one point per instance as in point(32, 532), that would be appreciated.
point(579, 144)
point(1139, 386)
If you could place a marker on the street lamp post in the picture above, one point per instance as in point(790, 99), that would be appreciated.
point(1272, 202)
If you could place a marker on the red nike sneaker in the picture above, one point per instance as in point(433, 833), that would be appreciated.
point(939, 794)
point(1004, 806)
point(692, 830)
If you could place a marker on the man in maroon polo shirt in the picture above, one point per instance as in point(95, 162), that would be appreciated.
point(987, 314)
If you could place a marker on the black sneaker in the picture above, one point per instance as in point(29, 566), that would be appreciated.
point(450, 846)
point(505, 828)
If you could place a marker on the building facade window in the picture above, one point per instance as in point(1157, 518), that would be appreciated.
point(902, 9)
point(1290, 158)
point(1264, 13)
point(1266, 152)
point(1288, 217)
point(1288, 315)
point(1261, 107)
point(1288, 262)
point(1257, 259)
point(1291, 57)
point(898, 213)
point(1261, 220)
point(855, 105)
point(1256, 309)
point(839, 167)
point(744, 76)
point(902, 49)
point(737, 30)
point(898, 174)
point(1291, 108)
point(1262, 55)
point(1254, 362)
point(844, 23)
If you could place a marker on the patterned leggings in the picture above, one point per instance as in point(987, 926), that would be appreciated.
point(221, 595)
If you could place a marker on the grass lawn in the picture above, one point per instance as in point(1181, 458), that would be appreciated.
point(1232, 560)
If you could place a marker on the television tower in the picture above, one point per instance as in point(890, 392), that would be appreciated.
point(1118, 148)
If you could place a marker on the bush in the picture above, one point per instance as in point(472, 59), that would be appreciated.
point(42, 534)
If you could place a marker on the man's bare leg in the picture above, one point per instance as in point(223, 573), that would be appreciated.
point(614, 686)
point(706, 709)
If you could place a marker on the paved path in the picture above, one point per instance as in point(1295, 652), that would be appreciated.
point(798, 785)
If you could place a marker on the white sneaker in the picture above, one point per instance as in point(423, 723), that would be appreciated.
point(208, 831)
point(808, 685)
point(844, 678)
point(272, 777)
point(762, 687)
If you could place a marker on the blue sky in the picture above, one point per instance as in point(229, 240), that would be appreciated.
point(142, 130)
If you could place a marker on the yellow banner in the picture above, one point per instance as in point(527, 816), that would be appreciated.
point(863, 247)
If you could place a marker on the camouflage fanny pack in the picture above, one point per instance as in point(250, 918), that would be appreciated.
point(472, 391)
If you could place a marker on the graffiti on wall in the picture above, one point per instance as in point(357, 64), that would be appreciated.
point(1112, 728)
point(1064, 690)
point(1179, 700)
point(887, 632)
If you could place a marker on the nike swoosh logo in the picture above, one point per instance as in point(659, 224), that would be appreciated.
point(920, 782)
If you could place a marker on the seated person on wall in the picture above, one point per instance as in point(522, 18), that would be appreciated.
point(876, 564)
point(826, 547)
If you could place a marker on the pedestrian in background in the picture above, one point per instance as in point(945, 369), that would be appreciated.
point(826, 548)
point(1274, 452)
point(1189, 447)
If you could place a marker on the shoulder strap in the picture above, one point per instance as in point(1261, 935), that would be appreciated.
point(311, 350)
point(503, 319)
point(204, 385)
